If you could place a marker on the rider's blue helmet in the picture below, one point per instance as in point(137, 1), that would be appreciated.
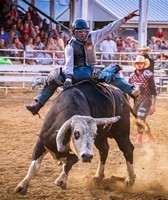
point(80, 25)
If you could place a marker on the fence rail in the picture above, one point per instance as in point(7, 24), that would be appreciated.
point(20, 74)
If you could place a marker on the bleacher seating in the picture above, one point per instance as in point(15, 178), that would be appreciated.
point(21, 77)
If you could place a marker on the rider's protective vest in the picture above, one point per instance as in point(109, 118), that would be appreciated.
point(84, 52)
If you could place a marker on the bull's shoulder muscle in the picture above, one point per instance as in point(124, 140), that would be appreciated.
point(98, 98)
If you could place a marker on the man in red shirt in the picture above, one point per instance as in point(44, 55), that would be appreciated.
point(144, 104)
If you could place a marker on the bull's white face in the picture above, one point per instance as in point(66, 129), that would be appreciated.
point(82, 138)
point(83, 132)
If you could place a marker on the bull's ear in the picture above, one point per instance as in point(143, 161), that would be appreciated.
point(61, 135)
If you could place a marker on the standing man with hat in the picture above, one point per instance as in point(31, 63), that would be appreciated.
point(144, 52)
point(144, 104)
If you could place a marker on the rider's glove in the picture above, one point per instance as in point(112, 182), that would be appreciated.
point(68, 82)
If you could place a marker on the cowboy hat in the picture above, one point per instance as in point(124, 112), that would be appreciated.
point(142, 59)
point(144, 48)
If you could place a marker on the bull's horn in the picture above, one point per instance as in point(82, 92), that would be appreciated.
point(110, 120)
point(61, 134)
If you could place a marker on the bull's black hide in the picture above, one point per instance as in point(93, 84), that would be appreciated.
point(87, 99)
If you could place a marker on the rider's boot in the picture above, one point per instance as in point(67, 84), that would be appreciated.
point(34, 108)
point(134, 92)
point(53, 81)
point(42, 98)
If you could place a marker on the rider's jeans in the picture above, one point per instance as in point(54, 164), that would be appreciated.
point(108, 74)
point(121, 83)
point(46, 93)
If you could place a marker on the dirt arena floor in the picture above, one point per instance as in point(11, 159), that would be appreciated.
point(19, 131)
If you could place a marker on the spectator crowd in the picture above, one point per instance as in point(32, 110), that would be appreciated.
point(30, 32)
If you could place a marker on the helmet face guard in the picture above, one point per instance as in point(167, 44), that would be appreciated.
point(81, 35)
point(80, 29)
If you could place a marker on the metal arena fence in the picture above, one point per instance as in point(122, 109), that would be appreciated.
point(19, 71)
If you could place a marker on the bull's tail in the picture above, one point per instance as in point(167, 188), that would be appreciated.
point(142, 125)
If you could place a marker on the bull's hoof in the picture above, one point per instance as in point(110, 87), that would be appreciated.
point(99, 177)
point(21, 190)
point(61, 183)
point(129, 182)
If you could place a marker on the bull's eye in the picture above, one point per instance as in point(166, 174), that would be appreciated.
point(76, 135)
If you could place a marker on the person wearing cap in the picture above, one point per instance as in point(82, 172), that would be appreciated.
point(80, 59)
point(144, 104)
point(144, 50)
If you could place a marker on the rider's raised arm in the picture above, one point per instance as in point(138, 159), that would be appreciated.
point(100, 34)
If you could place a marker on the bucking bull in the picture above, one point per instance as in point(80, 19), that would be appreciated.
point(80, 117)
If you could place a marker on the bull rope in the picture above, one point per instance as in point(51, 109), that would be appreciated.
point(112, 99)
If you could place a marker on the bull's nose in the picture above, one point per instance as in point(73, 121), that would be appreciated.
point(86, 157)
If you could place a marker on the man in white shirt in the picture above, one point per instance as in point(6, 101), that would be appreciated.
point(108, 47)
